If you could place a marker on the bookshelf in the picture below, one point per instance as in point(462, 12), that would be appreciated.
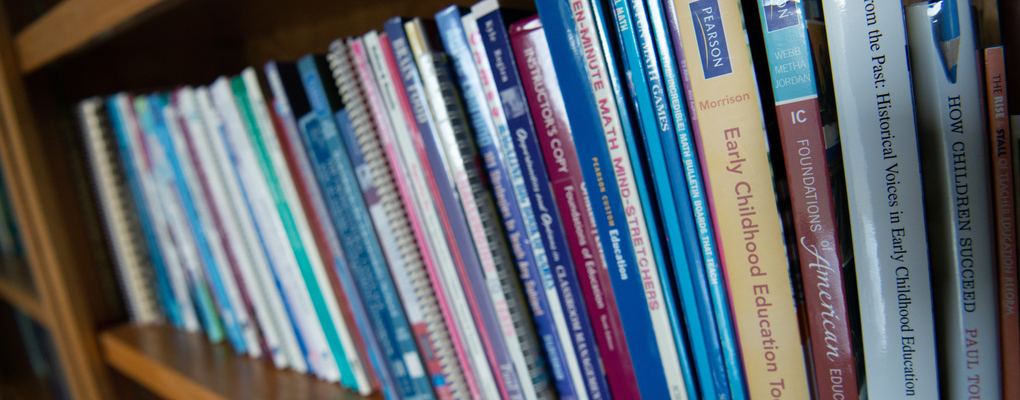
point(56, 52)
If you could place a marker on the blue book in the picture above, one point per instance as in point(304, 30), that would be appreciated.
point(171, 202)
point(163, 289)
point(339, 186)
point(159, 102)
point(658, 133)
point(708, 273)
point(570, 44)
point(490, 380)
point(521, 227)
point(508, 83)
point(285, 83)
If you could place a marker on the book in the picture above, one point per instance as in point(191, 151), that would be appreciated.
point(465, 217)
point(656, 131)
point(1003, 183)
point(219, 271)
point(951, 134)
point(350, 212)
point(561, 160)
point(172, 195)
point(442, 216)
point(269, 225)
point(733, 151)
point(490, 238)
point(493, 31)
point(579, 71)
point(285, 84)
point(367, 115)
point(140, 184)
point(237, 226)
point(514, 181)
point(124, 233)
point(885, 197)
point(794, 89)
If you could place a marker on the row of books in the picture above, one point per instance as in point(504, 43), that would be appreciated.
point(583, 203)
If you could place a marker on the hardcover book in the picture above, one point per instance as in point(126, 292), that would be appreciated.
point(794, 88)
point(879, 144)
point(738, 181)
point(951, 133)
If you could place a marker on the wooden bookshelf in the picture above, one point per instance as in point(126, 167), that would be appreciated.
point(183, 365)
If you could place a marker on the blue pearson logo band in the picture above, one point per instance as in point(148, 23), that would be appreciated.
point(715, 56)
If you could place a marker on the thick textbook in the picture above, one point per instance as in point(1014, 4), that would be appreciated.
point(951, 133)
point(738, 181)
point(585, 85)
point(449, 239)
point(337, 179)
point(879, 143)
point(795, 91)
point(1003, 184)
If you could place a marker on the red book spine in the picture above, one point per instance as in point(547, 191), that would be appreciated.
point(553, 131)
point(1005, 219)
point(325, 253)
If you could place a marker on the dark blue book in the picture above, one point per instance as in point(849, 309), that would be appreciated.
point(339, 186)
point(521, 228)
point(562, 276)
point(163, 289)
point(574, 43)
point(656, 131)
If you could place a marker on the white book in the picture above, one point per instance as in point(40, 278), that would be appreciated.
point(867, 47)
point(234, 306)
point(439, 255)
point(200, 129)
point(161, 224)
point(274, 237)
point(951, 133)
point(286, 182)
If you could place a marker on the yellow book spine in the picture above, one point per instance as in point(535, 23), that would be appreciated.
point(734, 154)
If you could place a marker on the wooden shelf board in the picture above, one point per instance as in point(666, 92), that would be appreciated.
point(181, 365)
point(72, 24)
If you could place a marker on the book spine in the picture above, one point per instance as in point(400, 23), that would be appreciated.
point(451, 125)
point(310, 335)
point(741, 195)
point(707, 290)
point(172, 200)
point(122, 230)
point(661, 153)
point(138, 179)
point(312, 201)
point(890, 245)
point(220, 186)
point(338, 333)
point(419, 298)
point(527, 239)
point(350, 212)
point(441, 212)
point(1005, 218)
point(259, 280)
point(700, 206)
point(953, 154)
point(585, 83)
point(800, 127)
point(561, 160)
point(518, 329)
point(562, 276)
point(216, 240)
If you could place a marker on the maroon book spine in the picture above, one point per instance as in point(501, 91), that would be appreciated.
point(553, 131)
